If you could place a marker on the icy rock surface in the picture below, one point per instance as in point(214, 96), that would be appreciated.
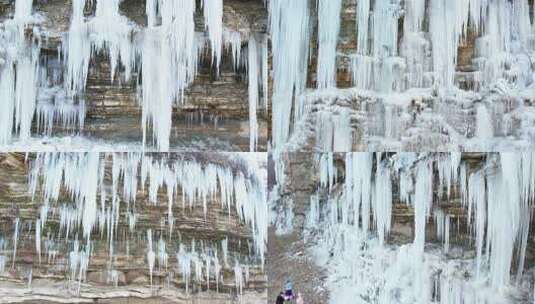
point(456, 76)
point(47, 88)
point(422, 228)
point(178, 222)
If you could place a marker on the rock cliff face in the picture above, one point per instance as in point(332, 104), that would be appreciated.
point(449, 229)
point(214, 113)
point(132, 243)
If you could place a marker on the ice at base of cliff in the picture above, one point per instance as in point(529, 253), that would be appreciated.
point(394, 122)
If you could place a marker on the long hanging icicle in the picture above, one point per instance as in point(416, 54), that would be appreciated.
point(363, 21)
point(23, 9)
point(448, 21)
point(151, 10)
point(289, 27)
point(151, 256)
point(423, 198)
point(15, 240)
point(253, 73)
point(168, 67)
point(7, 95)
point(328, 30)
point(383, 200)
point(213, 22)
point(25, 95)
point(19, 68)
point(38, 239)
point(358, 188)
point(77, 50)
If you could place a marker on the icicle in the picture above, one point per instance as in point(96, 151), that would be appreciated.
point(184, 264)
point(238, 278)
point(23, 9)
point(447, 234)
point(359, 189)
point(25, 95)
point(385, 29)
point(77, 50)
point(7, 95)
point(233, 42)
point(327, 170)
point(151, 256)
point(151, 10)
point(30, 278)
point(504, 220)
point(265, 72)
point(448, 22)
point(289, 27)
point(15, 241)
point(313, 216)
point(217, 271)
point(422, 204)
point(415, 12)
point(38, 239)
point(439, 223)
point(363, 19)
point(383, 201)
point(253, 92)
point(224, 247)
point(2, 264)
point(476, 191)
point(162, 255)
point(213, 22)
point(163, 83)
point(111, 32)
point(329, 28)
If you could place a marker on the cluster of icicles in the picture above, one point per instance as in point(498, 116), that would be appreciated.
point(197, 264)
point(425, 57)
point(498, 198)
point(97, 207)
point(165, 54)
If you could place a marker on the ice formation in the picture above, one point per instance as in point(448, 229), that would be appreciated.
point(329, 27)
point(164, 56)
point(92, 195)
point(213, 21)
point(253, 72)
point(348, 229)
point(421, 69)
point(289, 27)
point(15, 239)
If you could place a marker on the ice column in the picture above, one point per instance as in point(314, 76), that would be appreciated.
point(422, 204)
point(169, 61)
point(151, 256)
point(329, 28)
point(23, 9)
point(253, 92)
point(15, 240)
point(448, 20)
point(383, 200)
point(289, 27)
point(213, 20)
point(77, 50)
point(7, 95)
